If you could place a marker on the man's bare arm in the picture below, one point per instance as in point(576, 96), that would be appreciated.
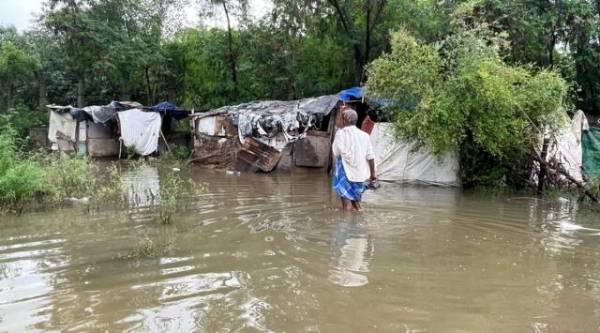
point(372, 168)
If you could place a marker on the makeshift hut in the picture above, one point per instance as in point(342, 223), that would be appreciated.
point(104, 131)
point(280, 135)
point(265, 135)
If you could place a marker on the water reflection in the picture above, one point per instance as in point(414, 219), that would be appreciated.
point(353, 249)
point(142, 185)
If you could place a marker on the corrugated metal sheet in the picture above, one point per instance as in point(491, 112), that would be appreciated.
point(255, 155)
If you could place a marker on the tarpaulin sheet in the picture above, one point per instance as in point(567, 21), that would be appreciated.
point(100, 114)
point(591, 152)
point(399, 161)
point(140, 129)
point(170, 108)
point(272, 118)
point(566, 146)
point(64, 123)
point(352, 94)
point(77, 113)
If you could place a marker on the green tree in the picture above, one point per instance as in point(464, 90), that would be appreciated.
point(471, 101)
point(16, 70)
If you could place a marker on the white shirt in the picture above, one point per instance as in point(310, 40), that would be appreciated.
point(354, 146)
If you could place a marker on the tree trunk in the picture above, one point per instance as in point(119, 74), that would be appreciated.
point(81, 92)
point(543, 169)
point(232, 60)
point(349, 30)
point(42, 94)
point(172, 94)
point(148, 87)
point(365, 59)
point(9, 96)
point(125, 94)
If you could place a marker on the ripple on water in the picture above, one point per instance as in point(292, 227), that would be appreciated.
point(257, 253)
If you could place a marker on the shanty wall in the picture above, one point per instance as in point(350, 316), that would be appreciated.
point(101, 142)
point(216, 144)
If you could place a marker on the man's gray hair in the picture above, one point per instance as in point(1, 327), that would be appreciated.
point(350, 115)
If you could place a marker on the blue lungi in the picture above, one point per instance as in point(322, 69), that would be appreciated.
point(343, 187)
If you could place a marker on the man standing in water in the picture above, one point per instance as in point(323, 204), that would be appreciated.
point(354, 162)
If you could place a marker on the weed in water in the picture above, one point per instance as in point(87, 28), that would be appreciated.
point(173, 191)
point(130, 151)
point(148, 248)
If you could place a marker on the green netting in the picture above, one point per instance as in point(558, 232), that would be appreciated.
point(591, 152)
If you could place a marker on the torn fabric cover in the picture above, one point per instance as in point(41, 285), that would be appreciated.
point(105, 113)
point(141, 130)
point(565, 149)
point(76, 113)
point(100, 114)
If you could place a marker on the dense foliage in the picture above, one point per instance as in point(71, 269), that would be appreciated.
point(460, 95)
point(483, 71)
point(92, 51)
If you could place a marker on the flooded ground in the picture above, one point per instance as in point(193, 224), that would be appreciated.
point(273, 254)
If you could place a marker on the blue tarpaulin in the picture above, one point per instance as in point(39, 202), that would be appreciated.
point(171, 108)
point(352, 94)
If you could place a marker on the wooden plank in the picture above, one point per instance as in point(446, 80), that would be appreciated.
point(255, 155)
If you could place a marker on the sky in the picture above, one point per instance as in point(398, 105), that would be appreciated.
point(21, 13)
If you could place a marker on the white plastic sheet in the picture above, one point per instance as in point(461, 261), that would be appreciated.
point(566, 147)
point(140, 129)
point(67, 125)
point(398, 161)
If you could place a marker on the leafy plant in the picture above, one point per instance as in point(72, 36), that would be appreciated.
point(472, 102)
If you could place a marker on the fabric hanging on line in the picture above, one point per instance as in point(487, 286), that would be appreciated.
point(141, 130)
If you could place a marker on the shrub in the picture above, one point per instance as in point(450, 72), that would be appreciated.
point(473, 102)
point(69, 176)
point(20, 177)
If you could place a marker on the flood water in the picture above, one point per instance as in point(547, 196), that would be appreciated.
point(259, 253)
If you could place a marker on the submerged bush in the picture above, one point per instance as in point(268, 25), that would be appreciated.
point(49, 180)
point(173, 190)
point(21, 178)
point(68, 176)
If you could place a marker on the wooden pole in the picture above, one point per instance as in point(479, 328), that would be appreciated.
point(543, 169)
point(165, 140)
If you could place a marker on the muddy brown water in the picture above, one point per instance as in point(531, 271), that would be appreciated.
point(261, 253)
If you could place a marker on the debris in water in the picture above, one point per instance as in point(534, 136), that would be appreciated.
point(77, 201)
